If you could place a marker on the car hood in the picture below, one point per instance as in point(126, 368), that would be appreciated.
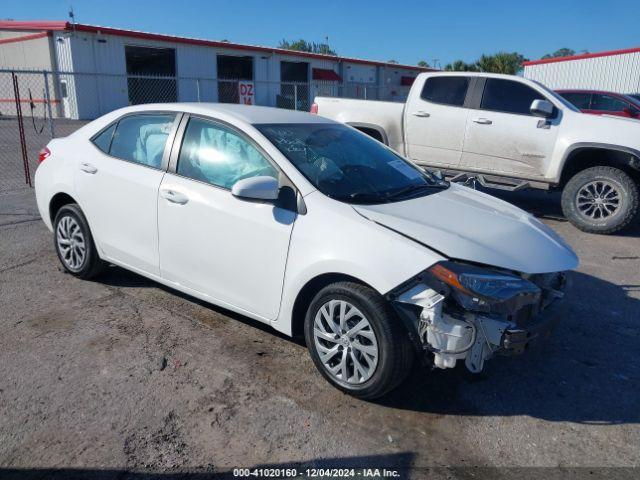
point(465, 224)
point(617, 117)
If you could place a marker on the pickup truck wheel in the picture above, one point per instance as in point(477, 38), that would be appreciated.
point(356, 340)
point(600, 200)
point(74, 243)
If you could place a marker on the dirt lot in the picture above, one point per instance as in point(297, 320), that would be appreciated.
point(117, 376)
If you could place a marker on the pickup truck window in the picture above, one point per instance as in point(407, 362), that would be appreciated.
point(446, 90)
point(508, 96)
point(349, 166)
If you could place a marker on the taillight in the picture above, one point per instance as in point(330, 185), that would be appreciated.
point(43, 154)
point(314, 108)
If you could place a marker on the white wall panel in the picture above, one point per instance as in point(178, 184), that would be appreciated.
point(616, 73)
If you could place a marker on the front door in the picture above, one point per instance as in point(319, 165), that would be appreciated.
point(603, 104)
point(435, 121)
point(231, 250)
point(117, 182)
point(504, 137)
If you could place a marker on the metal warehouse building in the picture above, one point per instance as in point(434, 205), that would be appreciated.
point(83, 71)
point(614, 71)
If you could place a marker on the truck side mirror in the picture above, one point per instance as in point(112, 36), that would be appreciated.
point(542, 108)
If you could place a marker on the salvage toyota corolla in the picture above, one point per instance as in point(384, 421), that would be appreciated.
point(310, 226)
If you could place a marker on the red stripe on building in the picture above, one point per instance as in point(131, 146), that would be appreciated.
point(608, 53)
point(66, 26)
point(27, 100)
point(23, 38)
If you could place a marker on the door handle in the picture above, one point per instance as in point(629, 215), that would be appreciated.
point(482, 121)
point(421, 113)
point(88, 168)
point(173, 196)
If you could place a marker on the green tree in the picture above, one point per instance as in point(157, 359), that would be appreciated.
point(304, 46)
point(561, 52)
point(392, 61)
point(501, 62)
point(423, 64)
point(460, 66)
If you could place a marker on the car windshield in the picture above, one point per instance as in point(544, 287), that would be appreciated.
point(349, 166)
point(634, 98)
point(557, 97)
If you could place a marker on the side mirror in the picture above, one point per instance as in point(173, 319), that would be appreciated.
point(542, 108)
point(256, 188)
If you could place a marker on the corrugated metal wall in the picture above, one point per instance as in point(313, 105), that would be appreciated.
point(615, 73)
point(99, 83)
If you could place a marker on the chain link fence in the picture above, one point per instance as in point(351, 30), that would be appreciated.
point(36, 106)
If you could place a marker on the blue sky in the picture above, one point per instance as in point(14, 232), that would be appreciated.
point(407, 31)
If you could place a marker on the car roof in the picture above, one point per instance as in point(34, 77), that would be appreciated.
point(580, 90)
point(624, 96)
point(245, 113)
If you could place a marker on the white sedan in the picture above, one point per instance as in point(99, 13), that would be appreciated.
point(310, 226)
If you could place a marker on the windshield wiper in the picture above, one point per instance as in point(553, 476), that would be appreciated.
point(368, 197)
point(416, 188)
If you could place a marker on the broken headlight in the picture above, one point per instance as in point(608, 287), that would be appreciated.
point(481, 289)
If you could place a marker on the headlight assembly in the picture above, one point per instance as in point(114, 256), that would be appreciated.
point(481, 289)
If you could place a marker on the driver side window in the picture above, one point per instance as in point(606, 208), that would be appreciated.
point(217, 155)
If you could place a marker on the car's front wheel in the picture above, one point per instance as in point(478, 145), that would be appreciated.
point(74, 243)
point(356, 340)
point(600, 200)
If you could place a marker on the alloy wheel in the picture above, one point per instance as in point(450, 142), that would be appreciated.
point(346, 342)
point(71, 243)
point(598, 200)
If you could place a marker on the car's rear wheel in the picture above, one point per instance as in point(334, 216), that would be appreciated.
point(356, 340)
point(600, 200)
point(74, 243)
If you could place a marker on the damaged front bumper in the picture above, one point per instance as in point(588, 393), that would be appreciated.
point(445, 332)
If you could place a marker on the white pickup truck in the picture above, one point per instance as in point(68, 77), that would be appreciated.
point(508, 132)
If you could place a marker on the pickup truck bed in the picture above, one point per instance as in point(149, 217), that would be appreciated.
point(384, 119)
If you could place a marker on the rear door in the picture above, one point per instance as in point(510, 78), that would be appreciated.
point(435, 121)
point(118, 186)
point(503, 137)
point(602, 104)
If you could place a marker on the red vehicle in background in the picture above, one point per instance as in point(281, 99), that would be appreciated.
point(603, 103)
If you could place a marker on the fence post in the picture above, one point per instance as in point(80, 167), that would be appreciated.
point(198, 89)
point(47, 98)
point(295, 96)
point(23, 143)
point(365, 92)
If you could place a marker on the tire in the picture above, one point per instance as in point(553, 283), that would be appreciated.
point(70, 234)
point(385, 334)
point(611, 188)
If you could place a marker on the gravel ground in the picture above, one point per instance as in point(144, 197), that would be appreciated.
point(122, 378)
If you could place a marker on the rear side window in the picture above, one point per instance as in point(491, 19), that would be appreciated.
point(579, 100)
point(142, 138)
point(508, 96)
point(446, 90)
point(103, 140)
point(608, 103)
